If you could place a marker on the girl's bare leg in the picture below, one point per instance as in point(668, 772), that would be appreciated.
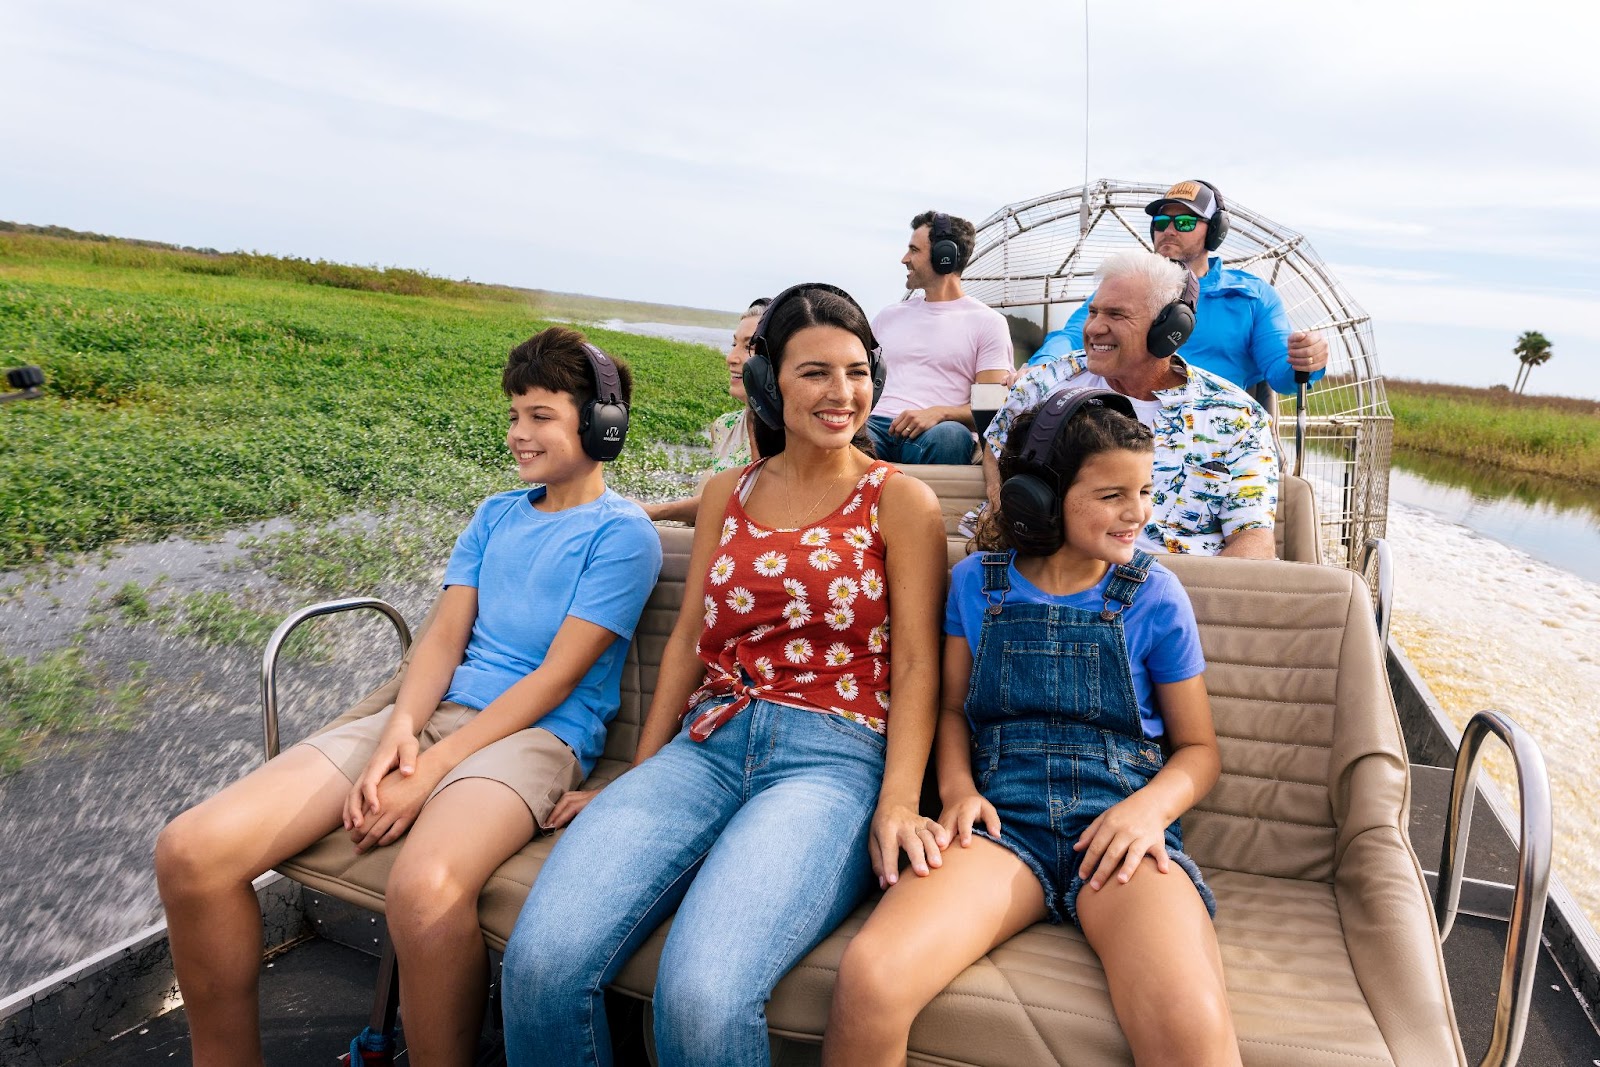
point(460, 837)
point(206, 859)
point(910, 948)
point(1163, 966)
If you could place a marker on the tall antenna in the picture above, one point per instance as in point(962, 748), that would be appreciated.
point(1083, 201)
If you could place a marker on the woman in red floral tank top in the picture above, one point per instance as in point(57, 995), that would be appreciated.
point(775, 777)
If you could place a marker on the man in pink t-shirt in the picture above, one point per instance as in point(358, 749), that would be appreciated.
point(936, 347)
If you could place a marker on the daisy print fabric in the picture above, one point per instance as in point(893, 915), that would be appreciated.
point(799, 617)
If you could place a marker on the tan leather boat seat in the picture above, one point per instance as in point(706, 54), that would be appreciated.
point(1323, 915)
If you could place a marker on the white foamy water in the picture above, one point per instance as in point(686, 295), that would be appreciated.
point(1490, 627)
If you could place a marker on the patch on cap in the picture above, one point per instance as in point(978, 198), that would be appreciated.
point(1191, 194)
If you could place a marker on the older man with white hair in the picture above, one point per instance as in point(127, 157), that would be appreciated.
point(1216, 468)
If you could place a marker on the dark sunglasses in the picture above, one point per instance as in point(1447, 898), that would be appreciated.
point(1185, 223)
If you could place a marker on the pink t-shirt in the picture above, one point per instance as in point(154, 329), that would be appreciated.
point(935, 351)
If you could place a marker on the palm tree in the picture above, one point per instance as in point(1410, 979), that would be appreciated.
point(1532, 349)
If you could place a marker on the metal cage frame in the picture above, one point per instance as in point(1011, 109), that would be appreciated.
point(1034, 262)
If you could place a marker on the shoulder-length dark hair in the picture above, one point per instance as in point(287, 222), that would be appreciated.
point(800, 310)
point(1092, 430)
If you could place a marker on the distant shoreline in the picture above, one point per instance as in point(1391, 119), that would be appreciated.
point(1549, 435)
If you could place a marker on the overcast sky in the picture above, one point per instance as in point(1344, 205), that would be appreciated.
point(1442, 158)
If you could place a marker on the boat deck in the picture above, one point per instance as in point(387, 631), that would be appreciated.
point(317, 995)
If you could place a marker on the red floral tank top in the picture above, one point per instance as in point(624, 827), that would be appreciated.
point(799, 617)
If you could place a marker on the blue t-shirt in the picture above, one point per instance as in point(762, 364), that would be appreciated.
point(1159, 627)
point(1241, 331)
point(597, 562)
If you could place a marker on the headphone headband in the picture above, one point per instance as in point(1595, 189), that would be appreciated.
point(944, 251)
point(1057, 410)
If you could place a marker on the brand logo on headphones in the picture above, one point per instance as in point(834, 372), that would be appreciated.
point(613, 434)
point(1175, 336)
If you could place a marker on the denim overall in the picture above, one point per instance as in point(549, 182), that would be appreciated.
point(1055, 727)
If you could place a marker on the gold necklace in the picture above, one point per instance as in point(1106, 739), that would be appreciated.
point(788, 496)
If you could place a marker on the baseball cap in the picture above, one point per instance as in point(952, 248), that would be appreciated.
point(1193, 195)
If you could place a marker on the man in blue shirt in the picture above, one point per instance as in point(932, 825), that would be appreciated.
point(1241, 329)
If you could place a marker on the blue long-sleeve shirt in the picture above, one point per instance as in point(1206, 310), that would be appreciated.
point(1241, 331)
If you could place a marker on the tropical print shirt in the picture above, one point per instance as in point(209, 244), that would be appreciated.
point(1216, 465)
point(730, 441)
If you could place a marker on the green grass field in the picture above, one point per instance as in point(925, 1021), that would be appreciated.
point(189, 391)
point(1558, 436)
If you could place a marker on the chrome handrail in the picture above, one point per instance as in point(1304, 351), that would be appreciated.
point(1385, 590)
point(1533, 871)
point(269, 658)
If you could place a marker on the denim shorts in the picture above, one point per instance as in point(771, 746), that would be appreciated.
point(1048, 782)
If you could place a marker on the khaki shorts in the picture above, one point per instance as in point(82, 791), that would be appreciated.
point(534, 763)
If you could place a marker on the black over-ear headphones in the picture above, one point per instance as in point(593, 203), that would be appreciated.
point(943, 251)
point(1175, 323)
point(1031, 495)
point(603, 420)
point(761, 378)
point(1218, 225)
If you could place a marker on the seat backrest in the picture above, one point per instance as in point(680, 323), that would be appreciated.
point(959, 488)
point(649, 641)
point(1294, 533)
point(1312, 754)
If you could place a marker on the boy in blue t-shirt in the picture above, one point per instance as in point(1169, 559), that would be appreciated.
point(501, 714)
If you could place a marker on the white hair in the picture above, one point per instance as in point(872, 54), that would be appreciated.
point(1162, 278)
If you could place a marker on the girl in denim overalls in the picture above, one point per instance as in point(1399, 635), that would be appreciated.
point(1071, 661)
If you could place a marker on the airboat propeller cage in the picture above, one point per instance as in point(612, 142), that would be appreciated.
point(1035, 260)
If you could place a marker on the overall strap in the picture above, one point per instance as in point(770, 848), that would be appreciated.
point(1125, 583)
point(996, 579)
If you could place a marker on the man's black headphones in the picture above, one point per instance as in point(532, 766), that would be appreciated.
point(943, 251)
point(1175, 323)
point(1218, 225)
point(761, 378)
point(603, 420)
point(1032, 493)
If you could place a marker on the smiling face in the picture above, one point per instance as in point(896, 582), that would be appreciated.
point(917, 262)
point(1108, 504)
point(1115, 332)
point(826, 386)
point(543, 436)
point(739, 353)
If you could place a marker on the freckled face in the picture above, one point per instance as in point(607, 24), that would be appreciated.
point(1108, 504)
point(826, 385)
point(543, 436)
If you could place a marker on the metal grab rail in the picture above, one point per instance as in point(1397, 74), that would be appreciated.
point(1385, 590)
point(269, 658)
point(1533, 871)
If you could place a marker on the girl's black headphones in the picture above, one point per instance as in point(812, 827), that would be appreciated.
point(761, 378)
point(1032, 493)
point(943, 251)
point(1175, 323)
point(603, 420)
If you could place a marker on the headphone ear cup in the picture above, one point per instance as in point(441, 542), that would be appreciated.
point(1033, 514)
point(761, 390)
point(602, 429)
point(1217, 228)
point(945, 256)
point(1170, 330)
point(878, 367)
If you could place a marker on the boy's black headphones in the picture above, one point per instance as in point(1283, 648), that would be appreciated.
point(943, 251)
point(761, 379)
point(603, 420)
point(1175, 323)
point(1031, 495)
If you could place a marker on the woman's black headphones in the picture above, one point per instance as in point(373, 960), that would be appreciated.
point(1032, 493)
point(603, 420)
point(761, 378)
point(1175, 323)
point(943, 251)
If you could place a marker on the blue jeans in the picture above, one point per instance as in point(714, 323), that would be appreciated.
point(948, 442)
point(757, 836)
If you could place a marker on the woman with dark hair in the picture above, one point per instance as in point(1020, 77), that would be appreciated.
point(732, 434)
point(774, 779)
